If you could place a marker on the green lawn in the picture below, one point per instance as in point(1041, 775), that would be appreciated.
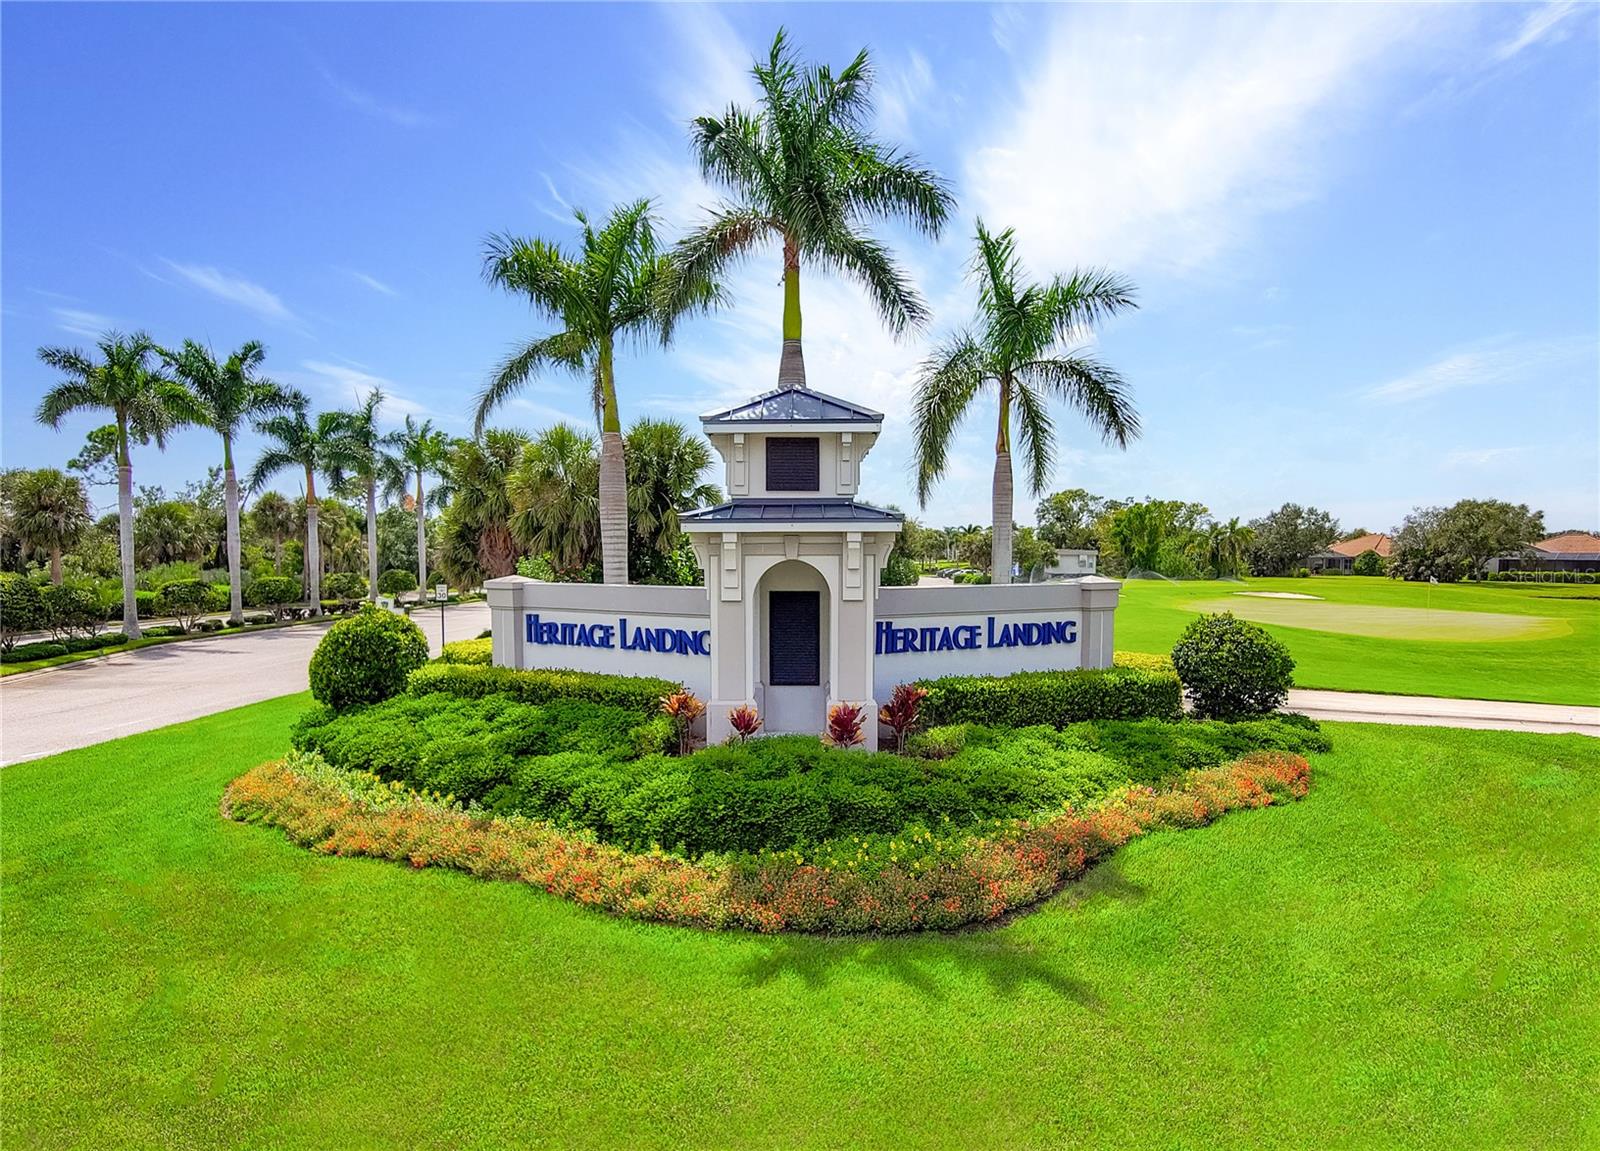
point(1409, 957)
point(1531, 642)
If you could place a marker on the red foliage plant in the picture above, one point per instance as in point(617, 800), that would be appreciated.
point(899, 715)
point(684, 707)
point(744, 721)
point(844, 724)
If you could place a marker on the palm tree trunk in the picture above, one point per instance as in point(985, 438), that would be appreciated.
point(792, 364)
point(422, 541)
point(1000, 532)
point(230, 490)
point(613, 478)
point(372, 540)
point(313, 547)
point(55, 565)
point(130, 600)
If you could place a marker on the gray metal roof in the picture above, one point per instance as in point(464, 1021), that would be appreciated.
point(799, 405)
point(792, 511)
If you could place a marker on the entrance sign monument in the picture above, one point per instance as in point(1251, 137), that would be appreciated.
point(791, 618)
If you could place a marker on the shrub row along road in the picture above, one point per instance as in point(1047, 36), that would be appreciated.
point(79, 704)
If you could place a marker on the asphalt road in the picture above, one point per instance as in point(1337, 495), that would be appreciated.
point(78, 704)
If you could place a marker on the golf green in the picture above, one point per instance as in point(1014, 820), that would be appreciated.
point(1536, 643)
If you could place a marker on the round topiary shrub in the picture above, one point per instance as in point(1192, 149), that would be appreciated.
point(395, 581)
point(273, 592)
point(1231, 668)
point(366, 658)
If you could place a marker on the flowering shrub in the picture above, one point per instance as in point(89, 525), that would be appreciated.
point(915, 880)
point(744, 721)
point(683, 708)
point(844, 724)
point(899, 715)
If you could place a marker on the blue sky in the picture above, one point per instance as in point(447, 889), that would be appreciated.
point(1366, 237)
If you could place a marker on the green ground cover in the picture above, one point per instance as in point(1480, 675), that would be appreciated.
point(1537, 643)
point(1408, 957)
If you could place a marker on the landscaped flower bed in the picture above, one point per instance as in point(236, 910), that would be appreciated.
point(921, 882)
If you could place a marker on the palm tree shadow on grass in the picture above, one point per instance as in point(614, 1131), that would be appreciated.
point(933, 964)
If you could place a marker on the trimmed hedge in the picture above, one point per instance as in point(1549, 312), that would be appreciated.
point(639, 694)
point(1056, 698)
point(1143, 660)
point(468, 651)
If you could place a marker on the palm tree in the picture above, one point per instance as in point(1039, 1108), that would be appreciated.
point(419, 449)
point(49, 514)
point(145, 404)
point(614, 288)
point(804, 171)
point(313, 446)
point(273, 517)
point(475, 533)
point(223, 397)
point(367, 462)
point(666, 475)
point(1227, 545)
point(1016, 350)
point(553, 497)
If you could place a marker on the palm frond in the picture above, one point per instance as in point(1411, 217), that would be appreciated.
point(1093, 388)
point(1036, 431)
point(561, 350)
point(946, 385)
point(869, 263)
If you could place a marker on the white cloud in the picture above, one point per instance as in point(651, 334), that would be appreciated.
point(714, 63)
point(90, 325)
point(1544, 23)
point(365, 101)
point(372, 282)
point(1155, 136)
point(902, 93)
point(236, 290)
point(345, 385)
point(1495, 363)
point(1479, 457)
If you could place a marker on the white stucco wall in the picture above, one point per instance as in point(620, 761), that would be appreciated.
point(981, 629)
point(611, 618)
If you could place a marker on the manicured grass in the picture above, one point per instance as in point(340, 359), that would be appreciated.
point(1408, 957)
point(1537, 643)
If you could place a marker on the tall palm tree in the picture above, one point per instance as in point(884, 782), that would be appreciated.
point(419, 450)
point(553, 497)
point(367, 462)
point(312, 445)
point(145, 404)
point(49, 514)
point(224, 396)
point(804, 171)
point(1017, 351)
point(273, 517)
point(614, 288)
point(1227, 545)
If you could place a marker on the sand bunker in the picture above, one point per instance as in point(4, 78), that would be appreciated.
point(1278, 594)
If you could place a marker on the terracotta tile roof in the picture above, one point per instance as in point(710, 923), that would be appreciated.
point(1570, 543)
point(1371, 542)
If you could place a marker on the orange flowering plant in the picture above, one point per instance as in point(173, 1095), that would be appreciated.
point(915, 880)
